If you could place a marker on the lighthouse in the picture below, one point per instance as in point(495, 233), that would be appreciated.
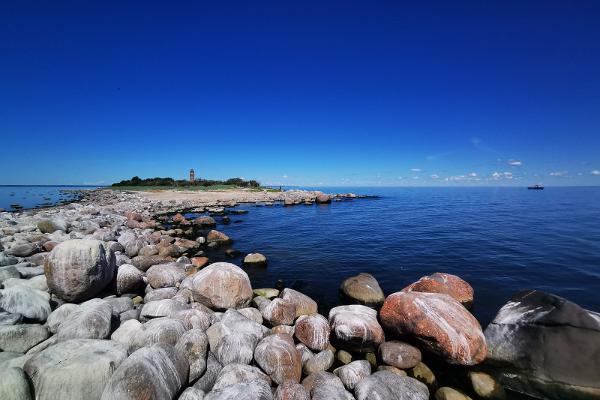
point(192, 176)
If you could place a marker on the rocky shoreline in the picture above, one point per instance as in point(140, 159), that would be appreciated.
point(117, 296)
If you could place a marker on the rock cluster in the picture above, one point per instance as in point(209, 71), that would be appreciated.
point(116, 285)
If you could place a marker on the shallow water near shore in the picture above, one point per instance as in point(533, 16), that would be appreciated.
point(500, 240)
point(37, 196)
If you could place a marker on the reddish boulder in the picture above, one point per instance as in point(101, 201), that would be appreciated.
point(178, 218)
point(199, 262)
point(313, 330)
point(323, 198)
point(217, 237)
point(208, 222)
point(444, 283)
point(439, 322)
point(278, 357)
point(133, 216)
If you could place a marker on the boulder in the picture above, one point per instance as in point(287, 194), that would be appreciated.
point(257, 389)
point(437, 321)
point(195, 318)
point(6, 259)
point(278, 311)
point(199, 262)
point(77, 270)
point(364, 289)
point(545, 346)
point(277, 356)
point(448, 393)
point(207, 381)
point(165, 275)
point(191, 393)
point(165, 331)
point(20, 338)
point(144, 262)
point(399, 354)
point(443, 283)
point(129, 279)
point(389, 386)
point(205, 222)
point(304, 304)
point(160, 294)
point(119, 304)
point(352, 373)
point(52, 225)
point(194, 344)
point(154, 372)
point(59, 315)
point(291, 391)
point(221, 286)
point(162, 308)
point(218, 237)
point(268, 293)
point(255, 260)
point(322, 198)
point(31, 303)
point(24, 249)
point(313, 330)
point(91, 320)
point(126, 331)
point(9, 272)
point(233, 374)
point(14, 384)
point(252, 314)
point(64, 371)
point(321, 361)
point(355, 328)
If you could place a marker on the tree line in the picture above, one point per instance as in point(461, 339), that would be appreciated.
point(137, 181)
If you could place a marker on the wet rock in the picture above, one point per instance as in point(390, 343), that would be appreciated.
point(291, 391)
point(31, 303)
point(313, 330)
point(355, 328)
point(277, 356)
point(422, 373)
point(364, 289)
point(205, 222)
point(254, 390)
point(255, 260)
point(399, 354)
point(387, 385)
point(158, 371)
point(443, 283)
point(322, 198)
point(79, 269)
point(304, 304)
point(545, 346)
point(63, 371)
point(194, 344)
point(233, 374)
point(91, 320)
point(447, 393)
point(218, 238)
point(486, 386)
point(353, 373)
point(20, 338)
point(14, 384)
point(321, 361)
point(439, 322)
point(221, 286)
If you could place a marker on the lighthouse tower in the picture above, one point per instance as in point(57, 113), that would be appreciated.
point(192, 176)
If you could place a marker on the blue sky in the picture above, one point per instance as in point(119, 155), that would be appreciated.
point(305, 93)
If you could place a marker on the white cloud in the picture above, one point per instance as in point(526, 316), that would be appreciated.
point(595, 172)
point(559, 173)
point(515, 163)
point(416, 169)
point(285, 176)
point(435, 176)
point(472, 174)
point(496, 176)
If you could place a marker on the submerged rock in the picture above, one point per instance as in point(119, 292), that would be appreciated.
point(439, 322)
point(77, 270)
point(255, 260)
point(364, 289)
point(545, 346)
point(74, 369)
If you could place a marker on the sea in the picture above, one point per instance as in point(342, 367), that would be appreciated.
point(500, 240)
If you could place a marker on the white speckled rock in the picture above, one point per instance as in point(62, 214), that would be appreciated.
point(162, 308)
point(155, 372)
point(79, 269)
point(304, 304)
point(160, 294)
point(278, 311)
point(126, 331)
point(196, 318)
point(221, 286)
point(254, 390)
point(291, 391)
point(31, 303)
point(91, 320)
point(20, 338)
point(14, 384)
point(158, 330)
point(165, 275)
point(313, 330)
point(129, 279)
point(355, 328)
point(321, 379)
point(64, 371)
point(233, 374)
point(352, 373)
point(278, 357)
point(321, 361)
point(194, 344)
point(252, 313)
point(387, 385)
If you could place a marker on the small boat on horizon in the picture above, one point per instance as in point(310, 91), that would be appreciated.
point(536, 187)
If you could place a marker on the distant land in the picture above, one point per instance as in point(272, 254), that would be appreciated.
point(191, 183)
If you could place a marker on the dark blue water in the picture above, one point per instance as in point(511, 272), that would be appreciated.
point(36, 196)
point(500, 240)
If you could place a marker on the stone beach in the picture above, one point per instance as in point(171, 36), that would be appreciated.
point(116, 297)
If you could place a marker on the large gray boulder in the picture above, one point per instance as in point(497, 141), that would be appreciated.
point(155, 372)
point(194, 344)
point(233, 374)
point(165, 275)
point(91, 320)
point(31, 303)
point(74, 369)
point(14, 384)
point(158, 331)
point(24, 249)
point(20, 338)
point(77, 270)
point(257, 389)
point(58, 316)
point(390, 386)
point(221, 286)
point(208, 379)
point(545, 346)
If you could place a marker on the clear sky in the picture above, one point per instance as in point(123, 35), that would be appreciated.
point(307, 92)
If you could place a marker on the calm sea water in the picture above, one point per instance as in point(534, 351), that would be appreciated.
point(500, 240)
point(36, 196)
